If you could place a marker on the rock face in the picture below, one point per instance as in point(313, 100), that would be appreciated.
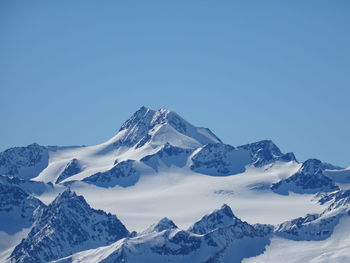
point(73, 167)
point(66, 226)
point(160, 127)
point(266, 152)
point(167, 156)
point(122, 174)
point(18, 209)
point(220, 160)
point(309, 179)
point(24, 162)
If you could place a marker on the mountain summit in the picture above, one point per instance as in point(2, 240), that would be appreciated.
point(160, 127)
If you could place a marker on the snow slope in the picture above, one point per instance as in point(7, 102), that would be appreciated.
point(334, 249)
point(184, 196)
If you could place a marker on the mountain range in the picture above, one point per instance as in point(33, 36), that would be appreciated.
point(164, 190)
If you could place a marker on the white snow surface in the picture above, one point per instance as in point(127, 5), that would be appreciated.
point(185, 196)
point(335, 249)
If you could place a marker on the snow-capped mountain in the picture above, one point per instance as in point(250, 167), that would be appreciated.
point(224, 218)
point(219, 218)
point(24, 162)
point(265, 152)
point(159, 166)
point(163, 224)
point(309, 179)
point(160, 127)
point(66, 226)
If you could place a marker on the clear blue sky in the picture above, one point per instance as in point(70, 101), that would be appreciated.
point(72, 71)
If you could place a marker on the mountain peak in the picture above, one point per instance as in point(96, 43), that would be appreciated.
point(148, 126)
point(163, 224)
point(265, 152)
point(311, 166)
point(66, 194)
point(308, 179)
point(226, 210)
point(219, 218)
point(137, 117)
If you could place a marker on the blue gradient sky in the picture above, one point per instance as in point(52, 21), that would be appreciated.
point(72, 71)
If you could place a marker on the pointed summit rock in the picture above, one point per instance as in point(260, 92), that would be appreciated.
point(311, 166)
point(147, 126)
point(219, 218)
point(68, 225)
point(164, 224)
point(73, 167)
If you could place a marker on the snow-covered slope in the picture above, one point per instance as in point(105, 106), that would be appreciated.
point(334, 249)
point(318, 226)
